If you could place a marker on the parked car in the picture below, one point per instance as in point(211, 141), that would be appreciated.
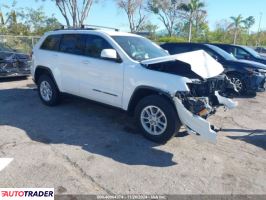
point(13, 63)
point(130, 72)
point(261, 51)
point(242, 52)
point(246, 75)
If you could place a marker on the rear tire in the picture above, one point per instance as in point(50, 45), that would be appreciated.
point(157, 118)
point(48, 91)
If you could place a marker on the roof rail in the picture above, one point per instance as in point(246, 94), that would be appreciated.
point(98, 27)
point(85, 27)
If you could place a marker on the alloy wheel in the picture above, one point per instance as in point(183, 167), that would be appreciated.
point(46, 91)
point(238, 83)
point(153, 120)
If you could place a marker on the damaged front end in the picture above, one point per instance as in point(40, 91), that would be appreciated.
point(202, 101)
point(208, 89)
point(12, 64)
point(214, 89)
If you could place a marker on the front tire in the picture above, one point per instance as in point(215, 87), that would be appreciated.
point(239, 83)
point(48, 92)
point(157, 118)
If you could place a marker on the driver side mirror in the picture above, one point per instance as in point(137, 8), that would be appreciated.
point(109, 54)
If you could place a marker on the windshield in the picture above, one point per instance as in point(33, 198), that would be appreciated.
point(251, 51)
point(5, 47)
point(221, 52)
point(139, 48)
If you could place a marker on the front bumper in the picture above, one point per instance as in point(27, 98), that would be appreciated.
point(256, 83)
point(195, 124)
point(14, 69)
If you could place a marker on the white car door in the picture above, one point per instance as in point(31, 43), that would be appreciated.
point(69, 58)
point(100, 79)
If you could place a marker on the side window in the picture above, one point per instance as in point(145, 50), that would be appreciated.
point(72, 43)
point(94, 45)
point(197, 48)
point(176, 48)
point(241, 54)
point(181, 49)
point(231, 50)
point(210, 52)
point(51, 43)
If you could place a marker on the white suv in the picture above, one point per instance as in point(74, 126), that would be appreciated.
point(132, 73)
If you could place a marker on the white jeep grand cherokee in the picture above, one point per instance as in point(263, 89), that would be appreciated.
point(132, 73)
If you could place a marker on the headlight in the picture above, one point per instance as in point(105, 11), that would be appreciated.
point(262, 71)
point(252, 71)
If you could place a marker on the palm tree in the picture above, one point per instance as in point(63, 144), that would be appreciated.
point(236, 25)
point(249, 22)
point(2, 21)
point(192, 8)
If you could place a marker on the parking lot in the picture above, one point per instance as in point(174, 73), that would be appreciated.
point(81, 147)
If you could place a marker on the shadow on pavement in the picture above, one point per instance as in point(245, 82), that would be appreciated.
point(96, 128)
point(255, 137)
point(11, 79)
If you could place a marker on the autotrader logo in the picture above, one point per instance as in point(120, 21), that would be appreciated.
point(27, 193)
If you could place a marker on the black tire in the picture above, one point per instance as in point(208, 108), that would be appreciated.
point(173, 122)
point(55, 93)
point(236, 79)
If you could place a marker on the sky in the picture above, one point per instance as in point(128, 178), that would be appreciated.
point(107, 14)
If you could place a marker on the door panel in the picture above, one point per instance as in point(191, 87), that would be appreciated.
point(69, 57)
point(70, 74)
point(100, 79)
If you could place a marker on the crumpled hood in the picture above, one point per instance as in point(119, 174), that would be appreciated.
point(200, 63)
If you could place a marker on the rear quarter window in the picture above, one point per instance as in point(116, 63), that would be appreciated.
point(51, 43)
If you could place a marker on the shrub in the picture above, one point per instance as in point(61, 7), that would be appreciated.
point(171, 39)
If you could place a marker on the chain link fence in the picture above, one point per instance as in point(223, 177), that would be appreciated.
point(20, 43)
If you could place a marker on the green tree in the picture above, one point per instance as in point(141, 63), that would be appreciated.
point(2, 21)
point(74, 12)
point(13, 17)
point(135, 13)
point(26, 21)
point(37, 21)
point(220, 34)
point(236, 25)
point(192, 10)
point(168, 12)
point(151, 29)
point(248, 23)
